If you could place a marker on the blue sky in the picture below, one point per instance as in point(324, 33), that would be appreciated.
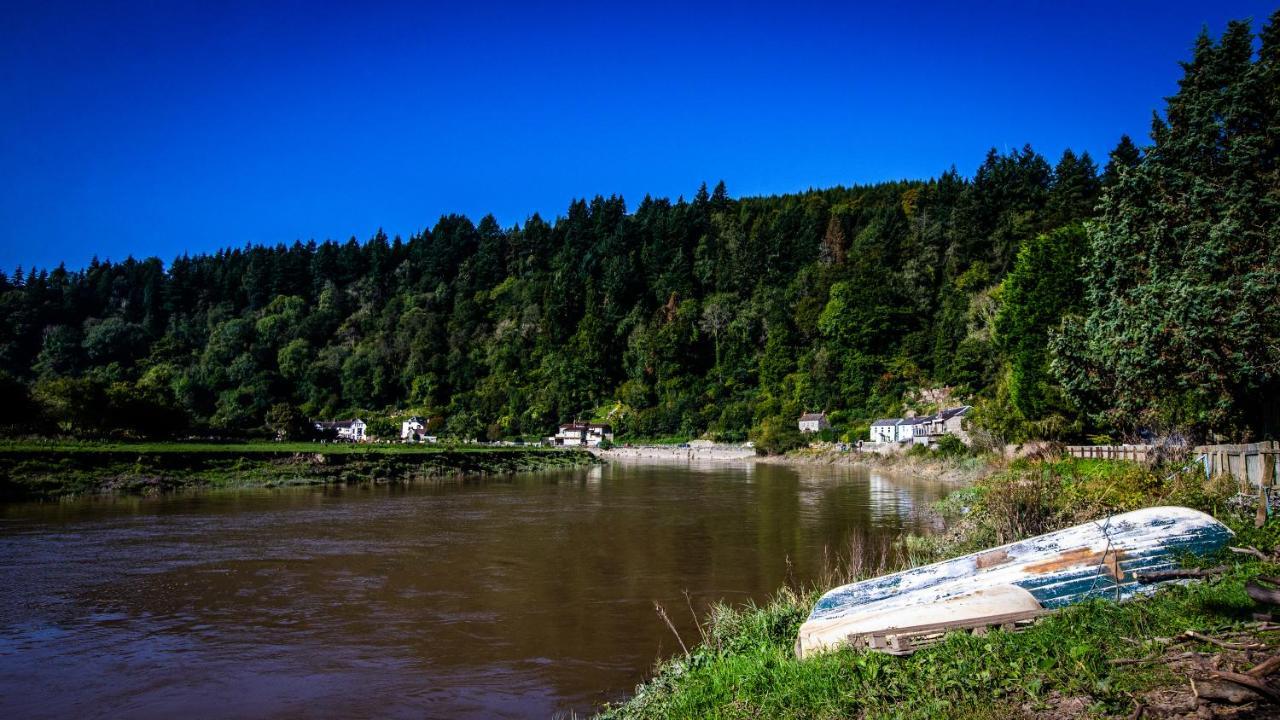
point(157, 128)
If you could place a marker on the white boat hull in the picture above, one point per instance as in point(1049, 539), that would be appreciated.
point(1097, 559)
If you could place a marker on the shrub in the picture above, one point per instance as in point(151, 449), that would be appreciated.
point(951, 446)
point(776, 436)
point(918, 451)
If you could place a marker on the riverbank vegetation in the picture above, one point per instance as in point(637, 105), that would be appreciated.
point(1100, 658)
point(1061, 298)
point(42, 471)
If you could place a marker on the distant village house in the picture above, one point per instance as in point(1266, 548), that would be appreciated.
point(582, 435)
point(415, 430)
point(925, 430)
point(350, 430)
point(892, 430)
point(814, 422)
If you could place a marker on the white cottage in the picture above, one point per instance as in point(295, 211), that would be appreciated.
point(415, 430)
point(893, 430)
point(582, 435)
point(814, 422)
point(905, 430)
point(349, 430)
point(885, 431)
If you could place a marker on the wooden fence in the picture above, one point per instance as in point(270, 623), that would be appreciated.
point(1253, 465)
point(1137, 453)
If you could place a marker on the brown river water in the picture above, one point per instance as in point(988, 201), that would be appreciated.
point(523, 596)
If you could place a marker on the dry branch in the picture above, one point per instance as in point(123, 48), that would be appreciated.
point(663, 614)
point(1128, 661)
point(1179, 573)
point(1248, 681)
point(1255, 552)
point(1193, 635)
point(1264, 668)
point(1224, 691)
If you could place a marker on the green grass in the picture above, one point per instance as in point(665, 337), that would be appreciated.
point(744, 666)
point(49, 470)
point(243, 448)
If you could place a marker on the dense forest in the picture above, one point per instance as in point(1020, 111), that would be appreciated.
point(1059, 297)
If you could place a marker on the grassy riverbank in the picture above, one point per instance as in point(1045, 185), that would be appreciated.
point(49, 470)
point(1096, 659)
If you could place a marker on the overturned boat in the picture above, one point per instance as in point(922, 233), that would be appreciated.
point(1012, 584)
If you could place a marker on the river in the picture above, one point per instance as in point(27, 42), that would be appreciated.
point(523, 596)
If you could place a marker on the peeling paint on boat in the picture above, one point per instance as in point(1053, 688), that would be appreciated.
point(1097, 559)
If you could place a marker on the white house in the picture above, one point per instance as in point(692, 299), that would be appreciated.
point(885, 431)
point(905, 430)
point(415, 430)
point(582, 435)
point(894, 430)
point(814, 422)
point(350, 430)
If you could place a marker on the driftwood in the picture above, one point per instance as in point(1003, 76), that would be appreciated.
point(1223, 691)
point(1193, 635)
point(1255, 552)
point(1130, 661)
point(1264, 668)
point(1147, 578)
point(1248, 681)
point(1258, 589)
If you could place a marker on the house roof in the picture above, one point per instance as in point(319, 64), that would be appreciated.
point(886, 423)
point(335, 424)
point(809, 417)
point(952, 412)
point(586, 426)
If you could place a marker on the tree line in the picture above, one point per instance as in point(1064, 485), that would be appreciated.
point(1062, 299)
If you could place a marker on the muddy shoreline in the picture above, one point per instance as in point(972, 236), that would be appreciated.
point(957, 470)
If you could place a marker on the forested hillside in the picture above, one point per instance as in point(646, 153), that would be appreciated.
point(1060, 297)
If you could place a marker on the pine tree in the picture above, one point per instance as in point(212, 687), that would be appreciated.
point(1183, 268)
point(1125, 156)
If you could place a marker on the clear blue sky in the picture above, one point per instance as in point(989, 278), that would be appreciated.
point(156, 128)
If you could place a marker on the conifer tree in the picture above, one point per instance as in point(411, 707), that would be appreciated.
point(1183, 270)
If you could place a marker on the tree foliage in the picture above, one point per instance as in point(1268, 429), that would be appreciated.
point(715, 314)
point(1182, 273)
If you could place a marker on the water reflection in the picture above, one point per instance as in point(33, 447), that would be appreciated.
point(520, 596)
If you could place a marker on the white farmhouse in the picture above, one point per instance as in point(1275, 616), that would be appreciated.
point(415, 430)
point(582, 435)
point(349, 430)
point(814, 422)
point(893, 430)
point(885, 431)
point(905, 429)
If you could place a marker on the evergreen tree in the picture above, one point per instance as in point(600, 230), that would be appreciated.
point(1183, 323)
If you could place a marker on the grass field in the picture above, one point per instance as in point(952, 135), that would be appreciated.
point(49, 470)
point(245, 448)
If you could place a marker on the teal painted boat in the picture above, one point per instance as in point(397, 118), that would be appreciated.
point(1098, 559)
